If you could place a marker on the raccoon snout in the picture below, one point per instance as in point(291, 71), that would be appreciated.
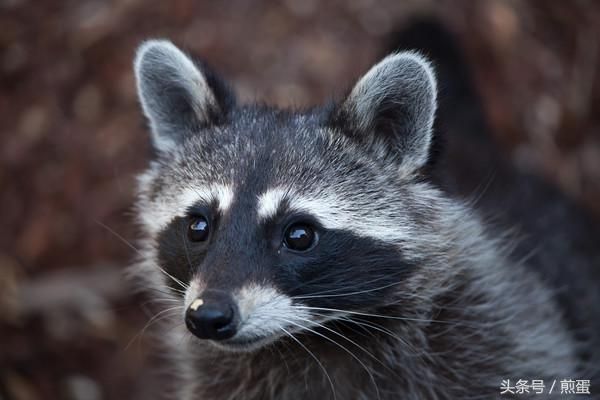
point(213, 316)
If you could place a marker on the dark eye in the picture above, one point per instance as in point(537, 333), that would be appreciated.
point(198, 229)
point(299, 237)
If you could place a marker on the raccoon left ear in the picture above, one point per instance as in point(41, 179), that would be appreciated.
point(392, 109)
point(178, 95)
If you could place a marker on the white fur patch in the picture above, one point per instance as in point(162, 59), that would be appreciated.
point(263, 310)
point(222, 194)
point(269, 201)
point(335, 212)
point(162, 211)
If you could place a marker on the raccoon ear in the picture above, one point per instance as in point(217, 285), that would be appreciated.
point(392, 109)
point(177, 95)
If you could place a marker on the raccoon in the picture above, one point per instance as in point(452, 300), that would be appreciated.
point(308, 254)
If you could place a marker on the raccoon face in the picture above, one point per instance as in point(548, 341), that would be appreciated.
point(267, 222)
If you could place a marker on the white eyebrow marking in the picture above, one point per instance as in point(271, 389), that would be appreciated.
point(223, 194)
point(334, 212)
point(169, 206)
point(269, 202)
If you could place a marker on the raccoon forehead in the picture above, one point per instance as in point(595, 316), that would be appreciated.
point(155, 214)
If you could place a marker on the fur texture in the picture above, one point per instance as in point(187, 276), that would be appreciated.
point(407, 293)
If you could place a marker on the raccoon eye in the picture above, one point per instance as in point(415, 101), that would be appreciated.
point(198, 229)
point(299, 237)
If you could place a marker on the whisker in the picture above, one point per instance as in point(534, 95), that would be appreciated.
point(347, 339)
point(341, 347)
point(337, 289)
point(156, 318)
point(187, 253)
point(126, 242)
point(160, 301)
point(281, 357)
point(311, 296)
point(381, 329)
point(177, 281)
point(477, 194)
point(378, 315)
point(314, 357)
point(182, 292)
point(165, 292)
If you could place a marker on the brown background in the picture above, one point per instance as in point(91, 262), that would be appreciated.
point(72, 140)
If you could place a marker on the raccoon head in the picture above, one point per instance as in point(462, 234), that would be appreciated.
point(266, 222)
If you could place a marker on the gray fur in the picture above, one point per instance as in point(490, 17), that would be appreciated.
point(403, 85)
point(468, 317)
point(174, 94)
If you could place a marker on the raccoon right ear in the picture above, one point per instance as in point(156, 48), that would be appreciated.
point(177, 95)
point(391, 110)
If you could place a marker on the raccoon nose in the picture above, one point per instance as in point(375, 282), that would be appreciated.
point(212, 317)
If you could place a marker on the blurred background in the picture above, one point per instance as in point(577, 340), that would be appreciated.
point(72, 139)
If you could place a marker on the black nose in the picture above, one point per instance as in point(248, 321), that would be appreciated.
point(212, 317)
